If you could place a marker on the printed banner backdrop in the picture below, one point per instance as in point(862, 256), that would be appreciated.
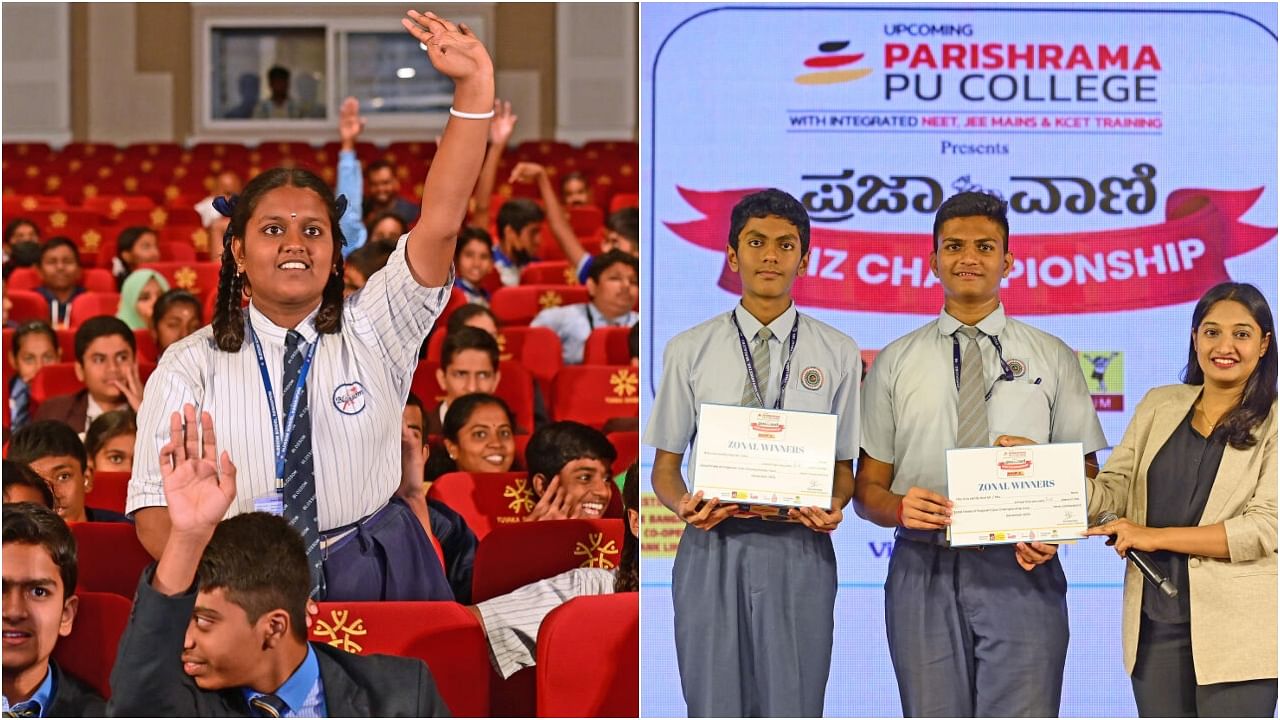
point(1136, 145)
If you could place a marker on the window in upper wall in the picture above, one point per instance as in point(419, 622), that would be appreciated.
point(268, 73)
point(388, 72)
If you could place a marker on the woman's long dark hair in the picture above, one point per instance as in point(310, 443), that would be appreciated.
point(628, 577)
point(228, 315)
point(1237, 426)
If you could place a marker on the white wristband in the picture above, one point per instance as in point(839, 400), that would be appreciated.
point(470, 116)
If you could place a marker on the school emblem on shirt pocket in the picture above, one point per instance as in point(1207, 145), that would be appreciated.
point(1017, 367)
point(350, 398)
point(811, 378)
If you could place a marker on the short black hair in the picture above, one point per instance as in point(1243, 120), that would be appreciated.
point(460, 316)
point(370, 258)
point(414, 401)
point(99, 327)
point(11, 228)
point(45, 438)
point(128, 237)
point(107, 426)
point(470, 234)
point(468, 338)
point(625, 222)
point(517, 214)
point(172, 298)
point(29, 524)
point(373, 222)
point(277, 72)
point(557, 444)
point(970, 204)
point(56, 242)
point(460, 411)
point(379, 164)
point(234, 561)
point(33, 327)
point(18, 474)
point(604, 261)
point(763, 204)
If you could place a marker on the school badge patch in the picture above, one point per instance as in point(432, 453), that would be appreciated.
point(350, 398)
point(811, 378)
point(1018, 367)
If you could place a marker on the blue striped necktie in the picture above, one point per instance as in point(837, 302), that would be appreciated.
point(268, 706)
point(299, 466)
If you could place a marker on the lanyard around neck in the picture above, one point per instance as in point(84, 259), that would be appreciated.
point(1006, 372)
point(281, 441)
point(751, 366)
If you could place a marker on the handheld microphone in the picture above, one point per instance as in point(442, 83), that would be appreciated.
point(1142, 562)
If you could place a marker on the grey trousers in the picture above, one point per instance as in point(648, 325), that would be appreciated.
point(1164, 680)
point(972, 634)
point(754, 616)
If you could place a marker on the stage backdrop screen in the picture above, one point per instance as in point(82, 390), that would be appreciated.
point(1136, 146)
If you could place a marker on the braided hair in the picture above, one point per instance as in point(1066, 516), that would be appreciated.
point(228, 314)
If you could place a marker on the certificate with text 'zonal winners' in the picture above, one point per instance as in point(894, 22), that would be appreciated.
point(765, 456)
point(1027, 493)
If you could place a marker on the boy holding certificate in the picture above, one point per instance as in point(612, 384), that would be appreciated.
point(973, 632)
point(754, 599)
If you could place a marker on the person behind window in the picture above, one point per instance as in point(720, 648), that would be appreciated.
point(279, 106)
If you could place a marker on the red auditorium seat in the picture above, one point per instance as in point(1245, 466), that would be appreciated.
point(515, 387)
point(517, 305)
point(445, 635)
point(112, 206)
point(514, 555)
point(111, 558)
point(89, 652)
point(92, 279)
point(623, 200)
point(23, 205)
point(146, 344)
point(586, 220)
point(178, 252)
point(607, 346)
point(66, 344)
point(110, 491)
point(485, 500)
point(548, 272)
point(627, 443)
point(60, 379)
point(593, 394)
point(191, 235)
point(92, 304)
point(611, 650)
point(27, 305)
point(199, 278)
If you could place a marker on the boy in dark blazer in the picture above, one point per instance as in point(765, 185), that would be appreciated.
point(218, 627)
point(39, 607)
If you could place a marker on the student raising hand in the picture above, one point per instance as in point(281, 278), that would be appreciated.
point(198, 491)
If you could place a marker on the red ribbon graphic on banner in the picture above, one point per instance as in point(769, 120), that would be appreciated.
point(1053, 274)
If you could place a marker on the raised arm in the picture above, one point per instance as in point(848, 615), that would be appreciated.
point(500, 129)
point(529, 172)
point(457, 54)
point(350, 182)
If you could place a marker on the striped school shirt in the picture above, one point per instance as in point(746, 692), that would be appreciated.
point(356, 390)
point(511, 621)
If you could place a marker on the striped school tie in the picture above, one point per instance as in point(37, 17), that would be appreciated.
point(971, 410)
point(28, 709)
point(760, 359)
point(268, 706)
point(299, 466)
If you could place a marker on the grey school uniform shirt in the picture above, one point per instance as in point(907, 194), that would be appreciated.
point(909, 400)
point(705, 364)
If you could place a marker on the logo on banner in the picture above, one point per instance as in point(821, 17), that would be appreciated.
point(834, 64)
point(1104, 374)
point(1114, 270)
